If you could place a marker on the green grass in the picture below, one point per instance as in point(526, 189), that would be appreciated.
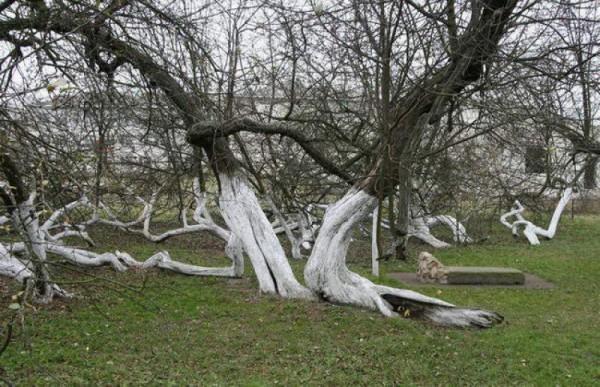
point(204, 331)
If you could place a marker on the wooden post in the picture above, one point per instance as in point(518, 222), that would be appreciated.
point(374, 246)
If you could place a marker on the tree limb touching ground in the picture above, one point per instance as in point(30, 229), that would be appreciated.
point(530, 230)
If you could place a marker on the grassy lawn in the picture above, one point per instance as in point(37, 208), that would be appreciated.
point(162, 328)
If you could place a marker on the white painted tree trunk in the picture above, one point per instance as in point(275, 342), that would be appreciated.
point(304, 225)
point(245, 218)
point(25, 220)
point(162, 260)
point(68, 230)
point(12, 267)
point(327, 275)
point(85, 258)
point(560, 207)
point(307, 229)
point(121, 261)
point(374, 245)
point(419, 229)
point(458, 230)
point(531, 231)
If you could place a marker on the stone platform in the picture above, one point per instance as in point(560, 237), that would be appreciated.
point(530, 281)
point(477, 275)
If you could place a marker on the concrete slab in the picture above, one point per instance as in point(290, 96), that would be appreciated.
point(479, 275)
point(531, 282)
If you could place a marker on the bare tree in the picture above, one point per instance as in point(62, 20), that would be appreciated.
point(404, 94)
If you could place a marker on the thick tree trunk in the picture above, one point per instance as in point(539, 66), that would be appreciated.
point(26, 221)
point(328, 276)
point(244, 217)
point(326, 272)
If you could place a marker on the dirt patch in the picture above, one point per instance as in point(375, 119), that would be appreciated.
point(531, 282)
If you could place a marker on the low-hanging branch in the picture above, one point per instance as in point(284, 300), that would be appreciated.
point(201, 216)
point(206, 130)
point(17, 259)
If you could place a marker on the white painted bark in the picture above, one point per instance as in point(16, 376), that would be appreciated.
point(162, 260)
point(56, 215)
point(200, 212)
point(121, 261)
point(374, 245)
point(235, 251)
point(327, 275)
point(68, 230)
point(41, 242)
point(26, 221)
point(530, 230)
point(278, 228)
point(304, 225)
point(458, 230)
point(307, 229)
point(204, 222)
point(201, 216)
point(245, 218)
point(17, 269)
point(12, 267)
point(420, 228)
point(16, 247)
point(516, 212)
point(86, 258)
